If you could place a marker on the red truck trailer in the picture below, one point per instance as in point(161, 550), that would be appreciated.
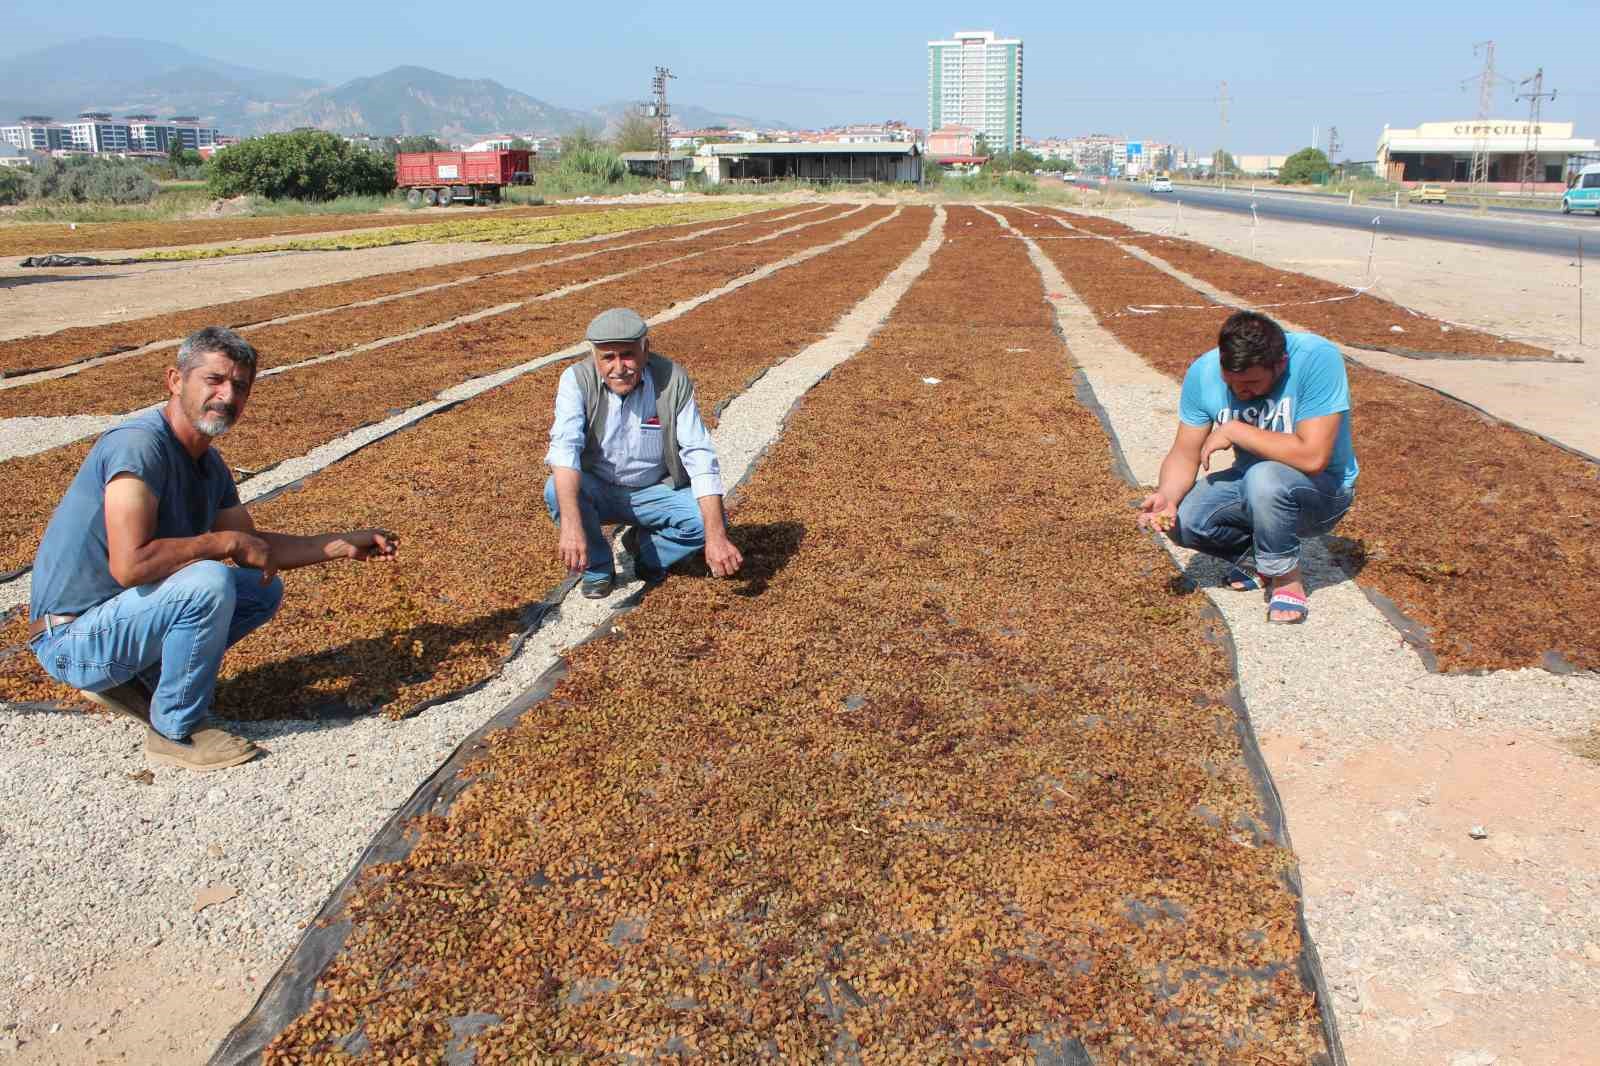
point(445, 177)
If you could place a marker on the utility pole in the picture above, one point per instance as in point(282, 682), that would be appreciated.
point(1530, 152)
point(1222, 147)
point(658, 85)
point(1486, 83)
point(1333, 142)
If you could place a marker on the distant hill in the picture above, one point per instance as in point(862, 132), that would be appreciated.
point(126, 74)
point(409, 100)
point(129, 76)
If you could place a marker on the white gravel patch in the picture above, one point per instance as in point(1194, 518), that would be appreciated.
point(103, 866)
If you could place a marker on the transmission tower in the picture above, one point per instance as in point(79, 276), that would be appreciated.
point(1530, 151)
point(658, 85)
point(1486, 83)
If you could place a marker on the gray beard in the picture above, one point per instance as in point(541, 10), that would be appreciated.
point(213, 425)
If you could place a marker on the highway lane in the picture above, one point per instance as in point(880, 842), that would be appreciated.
point(1549, 236)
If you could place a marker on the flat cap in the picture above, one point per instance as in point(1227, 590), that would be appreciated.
point(619, 325)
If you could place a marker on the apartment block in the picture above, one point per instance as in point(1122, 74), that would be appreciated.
point(975, 80)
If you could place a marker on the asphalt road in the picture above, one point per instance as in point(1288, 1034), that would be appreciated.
point(1557, 235)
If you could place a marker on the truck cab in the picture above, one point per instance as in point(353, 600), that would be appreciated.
point(1584, 193)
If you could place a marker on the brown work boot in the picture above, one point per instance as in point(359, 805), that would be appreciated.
point(128, 699)
point(205, 750)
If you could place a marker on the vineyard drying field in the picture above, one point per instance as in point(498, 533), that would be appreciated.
point(955, 769)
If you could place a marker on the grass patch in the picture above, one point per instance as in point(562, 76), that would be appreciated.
point(546, 229)
point(176, 199)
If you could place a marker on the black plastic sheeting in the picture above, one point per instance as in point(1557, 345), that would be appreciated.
point(73, 261)
point(292, 989)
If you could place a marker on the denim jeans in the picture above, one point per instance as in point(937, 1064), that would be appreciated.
point(172, 633)
point(670, 516)
point(1267, 507)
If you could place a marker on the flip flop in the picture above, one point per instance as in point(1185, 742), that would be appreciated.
point(1287, 601)
point(1241, 580)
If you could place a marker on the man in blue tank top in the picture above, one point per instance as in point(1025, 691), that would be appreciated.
point(1282, 403)
point(132, 602)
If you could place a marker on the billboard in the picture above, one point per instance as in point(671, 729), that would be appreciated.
point(1135, 148)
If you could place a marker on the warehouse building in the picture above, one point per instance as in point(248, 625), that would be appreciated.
point(648, 164)
point(1442, 151)
point(846, 163)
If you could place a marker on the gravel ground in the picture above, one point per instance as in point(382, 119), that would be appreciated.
point(107, 865)
point(1434, 952)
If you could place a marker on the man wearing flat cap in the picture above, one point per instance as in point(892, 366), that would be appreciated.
point(627, 445)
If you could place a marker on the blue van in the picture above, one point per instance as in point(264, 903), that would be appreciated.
point(1585, 192)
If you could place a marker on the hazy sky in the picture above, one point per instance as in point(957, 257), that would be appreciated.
point(1147, 70)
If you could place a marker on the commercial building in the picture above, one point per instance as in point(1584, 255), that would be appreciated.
point(96, 132)
point(37, 133)
point(1443, 151)
point(846, 163)
point(975, 79)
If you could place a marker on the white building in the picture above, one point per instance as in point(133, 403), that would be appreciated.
point(96, 132)
point(975, 79)
point(37, 133)
point(1442, 151)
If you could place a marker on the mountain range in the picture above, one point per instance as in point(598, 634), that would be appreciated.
point(125, 75)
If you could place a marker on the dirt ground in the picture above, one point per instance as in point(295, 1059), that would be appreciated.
point(1433, 786)
point(1520, 295)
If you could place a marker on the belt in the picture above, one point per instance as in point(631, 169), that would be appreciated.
point(45, 621)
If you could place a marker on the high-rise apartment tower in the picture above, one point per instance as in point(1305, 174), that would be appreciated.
point(975, 80)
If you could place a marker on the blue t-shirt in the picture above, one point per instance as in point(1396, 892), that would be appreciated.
point(72, 570)
point(1314, 384)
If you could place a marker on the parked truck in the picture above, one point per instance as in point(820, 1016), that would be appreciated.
point(445, 178)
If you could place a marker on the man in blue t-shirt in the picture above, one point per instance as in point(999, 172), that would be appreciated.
point(132, 602)
point(1282, 403)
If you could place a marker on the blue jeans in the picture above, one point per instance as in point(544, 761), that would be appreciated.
point(171, 633)
point(1267, 507)
point(670, 516)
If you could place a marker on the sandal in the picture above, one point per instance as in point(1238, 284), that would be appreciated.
point(1287, 601)
point(1241, 580)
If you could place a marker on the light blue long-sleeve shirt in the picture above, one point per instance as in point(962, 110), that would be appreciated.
point(630, 448)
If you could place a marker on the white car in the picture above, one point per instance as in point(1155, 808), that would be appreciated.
point(1160, 184)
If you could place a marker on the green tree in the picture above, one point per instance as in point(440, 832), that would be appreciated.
point(980, 145)
point(83, 178)
point(1308, 166)
point(636, 134)
point(582, 139)
point(1021, 160)
point(419, 142)
point(303, 165)
point(521, 144)
point(13, 185)
point(1222, 162)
